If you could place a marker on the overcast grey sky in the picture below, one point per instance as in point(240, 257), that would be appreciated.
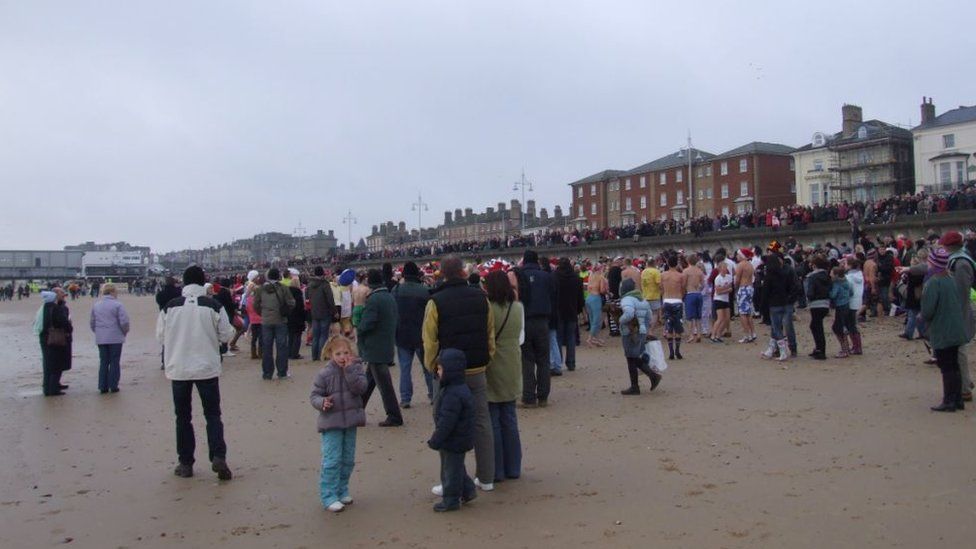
point(178, 124)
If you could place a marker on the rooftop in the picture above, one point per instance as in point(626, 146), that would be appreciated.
point(758, 147)
point(956, 116)
point(669, 161)
point(601, 176)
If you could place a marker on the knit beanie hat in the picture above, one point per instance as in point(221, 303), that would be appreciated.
point(938, 260)
point(410, 269)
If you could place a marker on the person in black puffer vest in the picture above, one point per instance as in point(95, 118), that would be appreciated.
point(458, 317)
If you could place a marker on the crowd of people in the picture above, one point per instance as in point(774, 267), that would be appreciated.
point(492, 336)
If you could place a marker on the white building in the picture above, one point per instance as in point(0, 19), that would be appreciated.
point(944, 148)
point(815, 171)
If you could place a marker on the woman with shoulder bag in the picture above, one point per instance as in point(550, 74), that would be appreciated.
point(55, 339)
point(504, 374)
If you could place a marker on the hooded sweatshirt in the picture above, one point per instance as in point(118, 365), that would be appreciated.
point(856, 279)
point(454, 415)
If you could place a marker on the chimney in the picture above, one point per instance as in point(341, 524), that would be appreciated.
point(490, 211)
point(457, 215)
point(557, 211)
point(851, 115)
point(501, 206)
point(928, 110)
point(468, 213)
point(515, 209)
point(530, 210)
point(331, 233)
point(544, 214)
point(447, 218)
point(402, 227)
point(375, 229)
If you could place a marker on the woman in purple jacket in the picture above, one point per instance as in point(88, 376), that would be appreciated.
point(110, 323)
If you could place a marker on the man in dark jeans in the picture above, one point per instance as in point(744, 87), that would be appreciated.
point(376, 337)
point(191, 328)
point(569, 292)
point(274, 303)
point(537, 291)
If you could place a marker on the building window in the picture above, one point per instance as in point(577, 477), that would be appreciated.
point(708, 170)
point(948, 140)
point(862, 132)
point(593, 208)
point(793, 187)
point(815, 194)
point(643, 202)
point(643, 219)
point(627, 184)
point(579, 192)
point(818, 165)
point(744, 188)
point(643, 181)
point(678, 176)
point(663, 178)
point(725, 210)
point(743, 165)
point(960, 172)
point(664, 199)
point(701, 194)
point(627, 203)
point(724, 168)
point(792, 164)
point(709, 194)
point(725, 190)
point(701, 171)
point(593, 189)
point(679, 197)
point(945, 173)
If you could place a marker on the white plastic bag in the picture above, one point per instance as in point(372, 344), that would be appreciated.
point(655, 356)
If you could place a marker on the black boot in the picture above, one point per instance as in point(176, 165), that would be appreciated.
point(948, 399)
point(955, 385)
point(655, 377)
point(634, 388)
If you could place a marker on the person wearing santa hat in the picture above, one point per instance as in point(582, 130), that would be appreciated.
point(744, 294)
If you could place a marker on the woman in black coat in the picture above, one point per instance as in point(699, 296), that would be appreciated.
point(55, 358)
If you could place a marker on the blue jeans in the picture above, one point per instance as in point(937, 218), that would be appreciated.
point(594, 309)
point(109, 367)
point(567, 338)
point(508, 445)
point(454, 478)
point(781, 319)
point(320, 334)
point(405, 358)
point(555, 356)
point(338, 460)
point(912, 322)
point(274, 343)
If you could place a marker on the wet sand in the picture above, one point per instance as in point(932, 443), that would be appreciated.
point(730, 451)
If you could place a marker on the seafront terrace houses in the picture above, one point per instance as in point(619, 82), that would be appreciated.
point(944, 147)
point(756, 175)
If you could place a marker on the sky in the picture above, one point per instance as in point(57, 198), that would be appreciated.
point(184, 124)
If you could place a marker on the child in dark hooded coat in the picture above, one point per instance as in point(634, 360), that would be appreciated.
point(453, 430)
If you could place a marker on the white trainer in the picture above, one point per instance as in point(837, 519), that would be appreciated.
point(487, 486)
point(346, 500)
point(438, 490)
point(336, 507)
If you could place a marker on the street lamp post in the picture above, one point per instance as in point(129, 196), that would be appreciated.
point(522, 184)
point(349, 220)
point(419, 206)
point(691, 175)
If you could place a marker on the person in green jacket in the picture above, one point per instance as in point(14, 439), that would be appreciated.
point(376, 338)
point(946, 331)
point(504, 375)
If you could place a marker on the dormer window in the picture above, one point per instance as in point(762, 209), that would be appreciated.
point(862, 132)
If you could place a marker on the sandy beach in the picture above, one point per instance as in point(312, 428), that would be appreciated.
point(730, 451)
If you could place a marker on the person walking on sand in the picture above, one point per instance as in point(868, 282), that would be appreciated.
point(191, 329)
point(744, 294)
point(110, 322)
point(377, 341)
point(337, 395)
point(673, 283)
point(635, 315)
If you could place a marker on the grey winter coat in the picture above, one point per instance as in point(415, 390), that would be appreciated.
point(319, 293)
point(345, 387)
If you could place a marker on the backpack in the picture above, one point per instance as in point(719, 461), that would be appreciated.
point(972, 265)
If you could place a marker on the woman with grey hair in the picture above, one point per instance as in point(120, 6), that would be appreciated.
point(110, 322)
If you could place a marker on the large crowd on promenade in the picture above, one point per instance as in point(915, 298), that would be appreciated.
point(491, 337)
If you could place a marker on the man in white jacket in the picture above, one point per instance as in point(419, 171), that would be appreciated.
point(191, 329)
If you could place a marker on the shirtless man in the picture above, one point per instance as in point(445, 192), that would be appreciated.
point(694, 282)
point(744, 294)
point(673, 285)
point(870, 271)
point(631, 272)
